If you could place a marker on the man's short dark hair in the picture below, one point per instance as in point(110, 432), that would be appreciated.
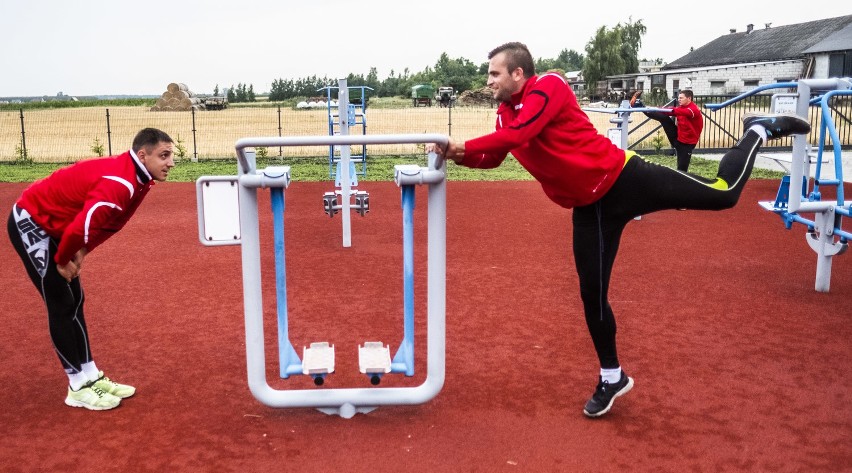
point(150, 137)
point(687, 93)
point(517, 55)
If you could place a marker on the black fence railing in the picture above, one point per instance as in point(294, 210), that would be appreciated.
point(723, 127)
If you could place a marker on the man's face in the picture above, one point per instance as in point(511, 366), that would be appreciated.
point(157, 159)
point(683, 100)
point(501, 80)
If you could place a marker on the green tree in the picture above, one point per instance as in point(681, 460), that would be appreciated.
point(280, 90)
point(631, 36)
point(216, 90)
point(566, 61)
point(570, 60)
point(603, 57)
point(612, 52)
point(456, 73)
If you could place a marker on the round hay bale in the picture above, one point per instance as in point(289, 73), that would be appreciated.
point(176, 87)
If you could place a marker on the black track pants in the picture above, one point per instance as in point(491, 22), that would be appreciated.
point(642, 188)
point(683, 150)
point(64, 300)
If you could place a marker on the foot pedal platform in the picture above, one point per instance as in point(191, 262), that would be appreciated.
point(318, 359)
point(374, 358)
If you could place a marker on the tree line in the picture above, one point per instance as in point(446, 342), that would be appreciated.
point(611, 51)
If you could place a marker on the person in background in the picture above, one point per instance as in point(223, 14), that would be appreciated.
point(682, 125)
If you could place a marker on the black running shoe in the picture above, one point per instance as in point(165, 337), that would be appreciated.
point(605, 394)
point(777, 125)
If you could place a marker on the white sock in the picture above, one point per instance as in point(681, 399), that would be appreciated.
point(77, 380)
point(611, 376)
point(91, 371)
point(760, 131)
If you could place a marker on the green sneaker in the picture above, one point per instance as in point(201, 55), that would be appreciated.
point(91, 397)
point(109, 386)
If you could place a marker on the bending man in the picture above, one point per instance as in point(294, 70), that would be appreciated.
point(57, 222)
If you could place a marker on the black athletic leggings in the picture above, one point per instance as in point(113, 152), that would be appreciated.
point(683, 150)
point(642, 188)
point(64, 300)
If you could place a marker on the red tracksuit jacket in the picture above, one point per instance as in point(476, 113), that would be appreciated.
point(84, 204)
point(689, 123)
point(547, 132)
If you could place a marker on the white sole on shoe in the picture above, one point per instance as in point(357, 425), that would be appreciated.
point(626, 389)
point(74, 403)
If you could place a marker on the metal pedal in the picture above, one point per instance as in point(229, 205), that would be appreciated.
point(329, 202)
point(362, 202)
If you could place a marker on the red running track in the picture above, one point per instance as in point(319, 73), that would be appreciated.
point(739, 363)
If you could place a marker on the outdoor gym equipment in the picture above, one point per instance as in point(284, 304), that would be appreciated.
point(618, 134)
point(219, 196)
point(341, 161)
point(795, 196)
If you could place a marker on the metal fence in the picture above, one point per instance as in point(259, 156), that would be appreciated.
point(722, 128)
point(71, 134)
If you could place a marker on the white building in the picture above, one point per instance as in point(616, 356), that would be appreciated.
point(738, 62)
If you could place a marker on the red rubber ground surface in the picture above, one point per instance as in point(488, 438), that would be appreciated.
point(739, 364)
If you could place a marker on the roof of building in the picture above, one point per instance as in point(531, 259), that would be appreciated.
point(771, 44)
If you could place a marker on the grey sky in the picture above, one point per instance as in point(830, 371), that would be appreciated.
point(101, 47)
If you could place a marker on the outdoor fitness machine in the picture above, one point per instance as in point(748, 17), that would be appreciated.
point(618, 134)
point(825, 234)
point(341, 161)
point(621, 120)
point(228, 215)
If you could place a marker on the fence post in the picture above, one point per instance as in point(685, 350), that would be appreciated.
point(194, 147)
point(450, 119)
point(280, 153)
point(23, 137)
point(109, 135)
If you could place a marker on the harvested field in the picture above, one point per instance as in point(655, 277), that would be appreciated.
point(67, 135)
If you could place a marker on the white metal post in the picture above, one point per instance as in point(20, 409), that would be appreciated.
point(345, 183)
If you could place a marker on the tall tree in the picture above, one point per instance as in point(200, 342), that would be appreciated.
point(631, 36)
point(603, 57)
point(612, 52)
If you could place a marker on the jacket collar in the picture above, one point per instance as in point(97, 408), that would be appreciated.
point(142, 174)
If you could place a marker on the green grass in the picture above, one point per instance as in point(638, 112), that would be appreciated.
point(378, 169)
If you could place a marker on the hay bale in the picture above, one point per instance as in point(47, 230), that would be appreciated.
point(178, 97)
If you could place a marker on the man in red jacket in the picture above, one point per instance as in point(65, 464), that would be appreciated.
point(60, 219)
point(541, 124)
point(682, 124)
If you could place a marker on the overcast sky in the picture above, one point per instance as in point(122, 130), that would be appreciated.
point(104, 47)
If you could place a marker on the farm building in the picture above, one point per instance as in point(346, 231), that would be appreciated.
point(740, 61)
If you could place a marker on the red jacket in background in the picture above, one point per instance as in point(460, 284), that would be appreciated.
point(689, 123)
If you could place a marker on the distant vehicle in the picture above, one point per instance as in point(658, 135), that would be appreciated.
point(446, 96)
point(422, 95)
point(215, 103)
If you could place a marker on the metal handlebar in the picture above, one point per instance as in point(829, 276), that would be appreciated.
point(813, 84)
point(338, 140)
